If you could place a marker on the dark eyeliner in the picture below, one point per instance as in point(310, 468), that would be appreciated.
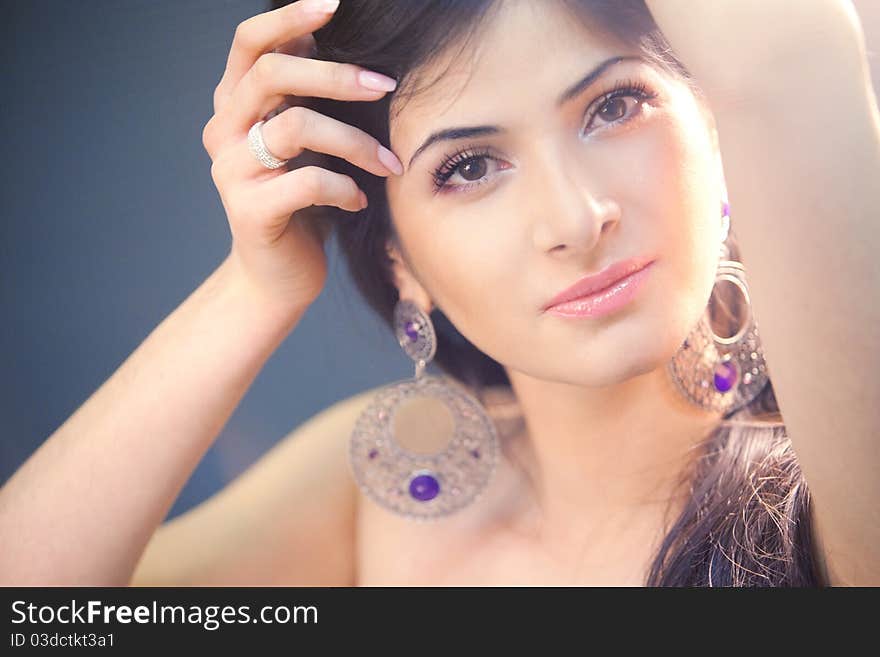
point(451, 162)
point(627, 87)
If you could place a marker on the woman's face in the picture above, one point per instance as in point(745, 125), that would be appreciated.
point(554, 193)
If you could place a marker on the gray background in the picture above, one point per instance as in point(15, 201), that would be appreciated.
point(109, 219)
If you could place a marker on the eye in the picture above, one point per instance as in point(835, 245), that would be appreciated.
point(612, 108)
point(469, 165)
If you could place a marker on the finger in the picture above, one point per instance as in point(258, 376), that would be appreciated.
point(277, 199)
point(275, 76)
point(311, 185)
point(298, 128)
point(263, 33)
point(303, 46)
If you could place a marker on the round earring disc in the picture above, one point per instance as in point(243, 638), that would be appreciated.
point(423, 485)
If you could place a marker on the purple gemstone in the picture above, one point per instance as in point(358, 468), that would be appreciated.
point(725, 376)
point(475, 453)
point(725, 209)
point(373, 453)
point(412, 331)
point(424, 487)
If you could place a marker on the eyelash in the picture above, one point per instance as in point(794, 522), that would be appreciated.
point(452, 162)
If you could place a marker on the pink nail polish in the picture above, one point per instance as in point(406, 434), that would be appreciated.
point(390, 160)
point(376, 81)
point(320, 6)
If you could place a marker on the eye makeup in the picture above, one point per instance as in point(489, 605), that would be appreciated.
point(452, 163)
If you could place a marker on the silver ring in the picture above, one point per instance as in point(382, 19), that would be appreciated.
point(258, 147)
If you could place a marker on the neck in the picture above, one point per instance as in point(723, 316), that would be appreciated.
point(603, 454)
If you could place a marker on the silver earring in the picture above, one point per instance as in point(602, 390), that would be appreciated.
point(722, 373)
point(414, 483)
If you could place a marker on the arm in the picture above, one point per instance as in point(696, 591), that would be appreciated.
point(288, 520)
point(82, 508)
point(799, 133)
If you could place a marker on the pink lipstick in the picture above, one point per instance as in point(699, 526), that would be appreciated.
point(603, 293)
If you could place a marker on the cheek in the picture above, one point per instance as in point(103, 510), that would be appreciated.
point(681, 191)
point(470, 270)
point(467, 259)
point(470, 275)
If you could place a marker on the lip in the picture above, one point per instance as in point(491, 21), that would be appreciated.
point(601, 293)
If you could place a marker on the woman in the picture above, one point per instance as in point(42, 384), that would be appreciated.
point(532, 145)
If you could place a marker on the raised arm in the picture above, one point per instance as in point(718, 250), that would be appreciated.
point(799, 133)
point(82, 508)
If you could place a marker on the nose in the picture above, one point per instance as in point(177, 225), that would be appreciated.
point(571, 215)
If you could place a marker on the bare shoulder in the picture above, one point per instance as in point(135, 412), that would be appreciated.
point(289, 519)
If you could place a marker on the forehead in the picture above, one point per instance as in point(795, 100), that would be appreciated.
point(524, 49)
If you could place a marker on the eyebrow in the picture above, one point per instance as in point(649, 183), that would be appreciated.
point(451, 134)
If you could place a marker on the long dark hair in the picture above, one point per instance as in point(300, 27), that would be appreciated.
point(747, 519)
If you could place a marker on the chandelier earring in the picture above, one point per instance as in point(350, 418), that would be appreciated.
point(395, 449)
point(719, 373)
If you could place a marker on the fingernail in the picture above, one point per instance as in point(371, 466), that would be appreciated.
point(320, 6)
point(376, 81)
point(363, 198)
point(390, 160)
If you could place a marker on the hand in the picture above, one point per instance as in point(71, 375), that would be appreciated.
point(281, 254)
